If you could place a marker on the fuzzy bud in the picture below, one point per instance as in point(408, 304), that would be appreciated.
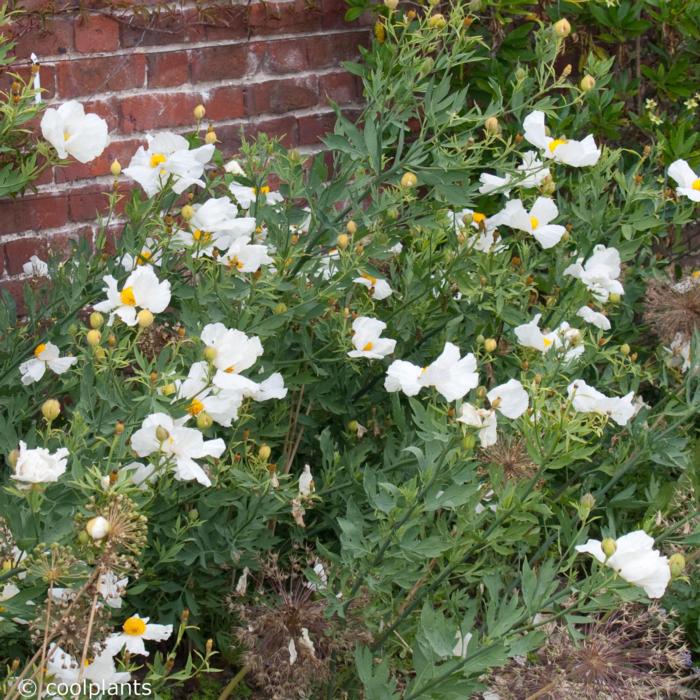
point(625, 349)
point(351, 227)
point(144, 318)
point(115, 168)
point(614, 298)
point(409, 180)
point(162, 434)
point(209, 353)
point(210, 136)
point(587, 83)
point(490, 344)
point(437, 21)
point(264, 452)
point(96, 319)
point(676, 562)
point(609, 547)
point(391, 4)
point(93, 337)
point(343, 241)
point(199, 112)
point(98, 528)
point(562, 28)
point(187, 212)
point(586, 505)
point(280, 308)
point(204, 421)
point(492, 126)
point(50, 409)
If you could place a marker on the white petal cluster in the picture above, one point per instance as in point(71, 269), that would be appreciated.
point(564, 338)
point(367, 341)
point(379, 289)
point(73, 133)
point(536, 222)
point(586, 399)
point(46, 355)
point(561, 150)
point(599, 273)
point(135, 631)
point(687, 179)
point(39, 465)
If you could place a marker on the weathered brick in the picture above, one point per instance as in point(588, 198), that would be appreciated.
point(34, 212)
point(278, 17)
point(340, 87)
point(283, 128)
point(88, 203)
point(50, 38)
point(168, 69)
point(163, 29)
point(93, 75)
point(313, 127)
point(19, 251)
point(225, 103)
point(288, 56)
point(96, 33)
point(219, 62)
point(146, 112)
point(278, 96)
point(331, 50)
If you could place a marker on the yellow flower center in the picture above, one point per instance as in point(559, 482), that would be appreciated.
point(144, 257)
point(134, 626)
point(230, 370)
point(547, 342)
point(235, 262)
point(368, 347)
point(39, 349)
point(66, 136)
point(695, 274)
point(696, 184)
point(534, 222)
point(370, 279)
point(555, 143)
point(127, 296)
point(196, 407)
point(201, 236)
point(261, 190)
point(157, 159)
point(478, 217)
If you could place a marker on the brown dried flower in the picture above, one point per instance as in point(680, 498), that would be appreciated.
point(673, 308)
point(511, 455)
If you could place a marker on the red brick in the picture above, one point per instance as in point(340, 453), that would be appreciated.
point(313, 127)
point(33, 212)
point(278, 17)
point(18, 252)
point(145, 112)
point(278, 96)
point(62, 243)
point(91, 75)
point(219, 63)
point(283, 128)
point(14, 288)
point(50, 38)
point(47, 75)
point(168, 69)
point(119, 150)
point(96, 33)
point(88, 203)
point(232, 23)
point(339, 87)
point(163, 29)
point(330, 50)
point(225, 103)
point(287, 56)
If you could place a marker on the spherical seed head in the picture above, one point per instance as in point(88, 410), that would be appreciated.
point(587, 83)
point(115, 168)
point(264, 452)
point(93, 337)
point(144, 318)
point(96, 319)
point(187, 212)
point(609, 546)
point(409, 180)
point(490, 344)
point(50, 409)
point(199, 112)
point(562, 28)
point(204, 421)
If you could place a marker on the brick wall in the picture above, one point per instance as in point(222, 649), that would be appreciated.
point(262, 67)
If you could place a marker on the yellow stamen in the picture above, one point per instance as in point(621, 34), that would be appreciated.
point(230, 370)
point(370, 279)
point(478, 217)
point(261, 190)
point(127, 296)
point(695, 274)
point(696, 184)
point(134, 626)
point(201, 236)
point(367, 347)
point(144, 257)
point(235, 262)
point(66, 136)
point(39, 349)
point(534, 222)
point(547, 342)
point(555, 143)
point(157, 159)
point(195, 407)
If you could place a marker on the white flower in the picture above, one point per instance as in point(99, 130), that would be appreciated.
point(396, 248)
point(183, 445)
point(215, 223)
point(101, 670)
point(688, 181)
point(586, 399)
point(492, 183)
point(482, 418)
point(306, 482)
point(403, 376)
point(635, 560)
point(536, 221)
point(234, 167)
point(599, 273)
point(234, 351)
point(168, 158)
point(242, 584)
point(379, 288)
point(366, 332)
point(141, 290)
point(680, 352)
point(112, 588)
point(45, 355)
point(451, 376)
point(533, 169)
point(245, 257)
point(135, 630)
point(485, 240)
point(595, 318)
point(561, 150)
point(221, 405)
point(529, 335)
point(9, 590)
point(245, 195)
point(39, 466)
point(141, 475)
point(73, 133)
point(36, 267)
point(149, 255)
point(461, 644)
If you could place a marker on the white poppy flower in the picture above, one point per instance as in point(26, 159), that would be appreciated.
point(221, 405)
point(140, 474)
point(149, 255)
point(39, 466)
point(482, 418)
point(562, 150)
point(599, 273)
point(245, 257)
point(112, 588)
point(135, 630)
point(142, 289)
point(595, 318)
point(306, 482)
point(492, 183)
point(183, 445)
point(510, 399)
point(403, 376)
point(461, 644)
point(73, 133)
point(635, 560)
point(680, 352)
point(688, 181)
point(366, 340)
point(485, 240)
point(451, 376)
point(35, 267)
point(529, 335)
point(45, 355)
point(536, 221)
point(101, 670)
point(587, 399)
point(168, 157)
point(533, 169)
point(234, 351)
point(245, 195)
point(234, 167)
point(379, 288)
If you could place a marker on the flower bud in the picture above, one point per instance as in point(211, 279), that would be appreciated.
point(562, 28)
point(481, 392)
point(264, 452)
point(676, 563)
point(187, 212)
point(115, 168)
point(391, 4)
point(93, 337)
point(351, 227)
point(469, 441)
point(210, 136)
point(111, 340)
point(96, 319)
point(437, 21)
point(193, 515)
point(98, 528)
point(169, 389)
point(490, 344)
point(409, 180)
point(614, 298)
point(12, 458)
point(343, 241)
point(609, 547)
point(50, 409)
point(625, 349)
point(209, 646)
point(118, 428)
point(353, 425)
point(144, 318)
point(520, 73)
point(209, 353)
point(199, 112)
point(492, 126)
point(480, 339)
point(162, 434)
point(204, 421)
point(587, 503)
point(280, 308)
point(587, 83)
